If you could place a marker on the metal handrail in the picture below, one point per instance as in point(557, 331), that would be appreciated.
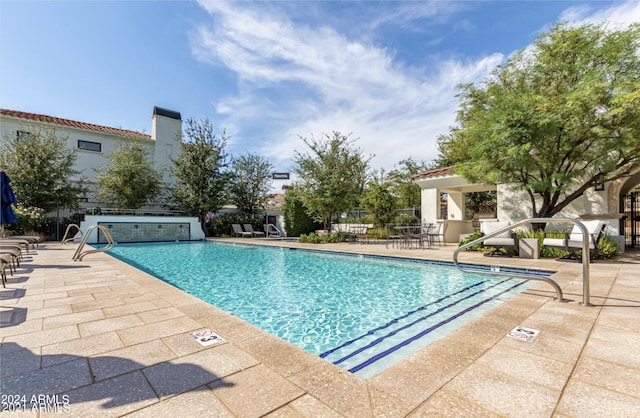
point(66, 232)
point(110, 243)
point(586, 256)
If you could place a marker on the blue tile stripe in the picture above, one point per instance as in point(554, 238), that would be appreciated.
point(411, 324)
point(395, 320)
point(385, 353)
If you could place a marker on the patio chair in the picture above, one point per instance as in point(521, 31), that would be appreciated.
point(392, 236)
point(437, 234)
point(506, 239)
point(238, 232)
point(572, 242)
point(271, 230)
point(254, 233)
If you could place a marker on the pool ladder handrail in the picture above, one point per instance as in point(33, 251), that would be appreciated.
point(110, 243)
point(65, 238)
point(586, 257)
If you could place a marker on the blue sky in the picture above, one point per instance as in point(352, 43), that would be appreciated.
point(269, 72)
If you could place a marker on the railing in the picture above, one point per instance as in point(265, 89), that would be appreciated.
point(586, 257)
point(67, 238)
point(79, 254)
point(134, 212)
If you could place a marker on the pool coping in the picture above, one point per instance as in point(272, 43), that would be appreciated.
point(480, 267)
point(471, 371)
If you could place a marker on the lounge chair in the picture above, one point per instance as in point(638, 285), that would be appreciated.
point(20, 243)
point(271, 230)
point(572, 242)
point(14, 254)
point(238, 232)
point(4, 262)
point(506, 239)
point(254, 233)
point(33, 239)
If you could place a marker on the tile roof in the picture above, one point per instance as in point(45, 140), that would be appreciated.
point(80, 125)
point(437, 172)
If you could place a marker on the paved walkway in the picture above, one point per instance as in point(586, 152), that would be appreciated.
point(100, 338)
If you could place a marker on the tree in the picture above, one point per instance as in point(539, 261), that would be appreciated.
point(379, 201)
point(129, 181)
point(332, 178)
point(408, 193)
point(296, 219)
point(250, 181)
point(200, 169)
point(554, 120)
point(41, 169)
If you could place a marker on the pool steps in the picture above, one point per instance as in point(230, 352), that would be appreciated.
point(419, 327)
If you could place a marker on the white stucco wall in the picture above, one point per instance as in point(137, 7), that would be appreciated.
point(166, 135)
point(430, 211)
point(515, 205)
point(163, 146)
point(195, 230)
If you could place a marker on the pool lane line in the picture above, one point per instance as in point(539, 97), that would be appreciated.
point(414, 322)
point(395, 320)
point(427, 331)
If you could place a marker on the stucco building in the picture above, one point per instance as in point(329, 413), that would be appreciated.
point(93, 143)
point(616, 203)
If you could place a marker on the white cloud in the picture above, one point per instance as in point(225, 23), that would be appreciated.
point(348, 85)
point(620, 14)
point(303, 79)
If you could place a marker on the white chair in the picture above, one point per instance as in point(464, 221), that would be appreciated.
point(506, 239)
point(438, 233)
point(572, 242)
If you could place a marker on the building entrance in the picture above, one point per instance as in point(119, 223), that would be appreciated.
point(631, 221)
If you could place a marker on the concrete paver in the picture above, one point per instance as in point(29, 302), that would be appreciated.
point(110, 340)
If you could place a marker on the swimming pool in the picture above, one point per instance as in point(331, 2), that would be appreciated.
point(361, 313)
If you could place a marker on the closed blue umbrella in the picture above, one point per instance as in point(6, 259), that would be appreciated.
point(7, 197)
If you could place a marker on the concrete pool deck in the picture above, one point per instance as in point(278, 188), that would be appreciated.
point(101, 338)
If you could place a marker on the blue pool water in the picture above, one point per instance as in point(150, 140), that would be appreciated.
point(361, 313)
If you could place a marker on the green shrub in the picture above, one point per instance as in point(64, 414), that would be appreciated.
point(474, 236)
point(607, 248)
point(377, 233)
point(314, 238)
point(353, 220)
point(403, 219)
point(296, 220)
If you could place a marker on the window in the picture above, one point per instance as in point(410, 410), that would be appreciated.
point(89, 146)
point(23, 135)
